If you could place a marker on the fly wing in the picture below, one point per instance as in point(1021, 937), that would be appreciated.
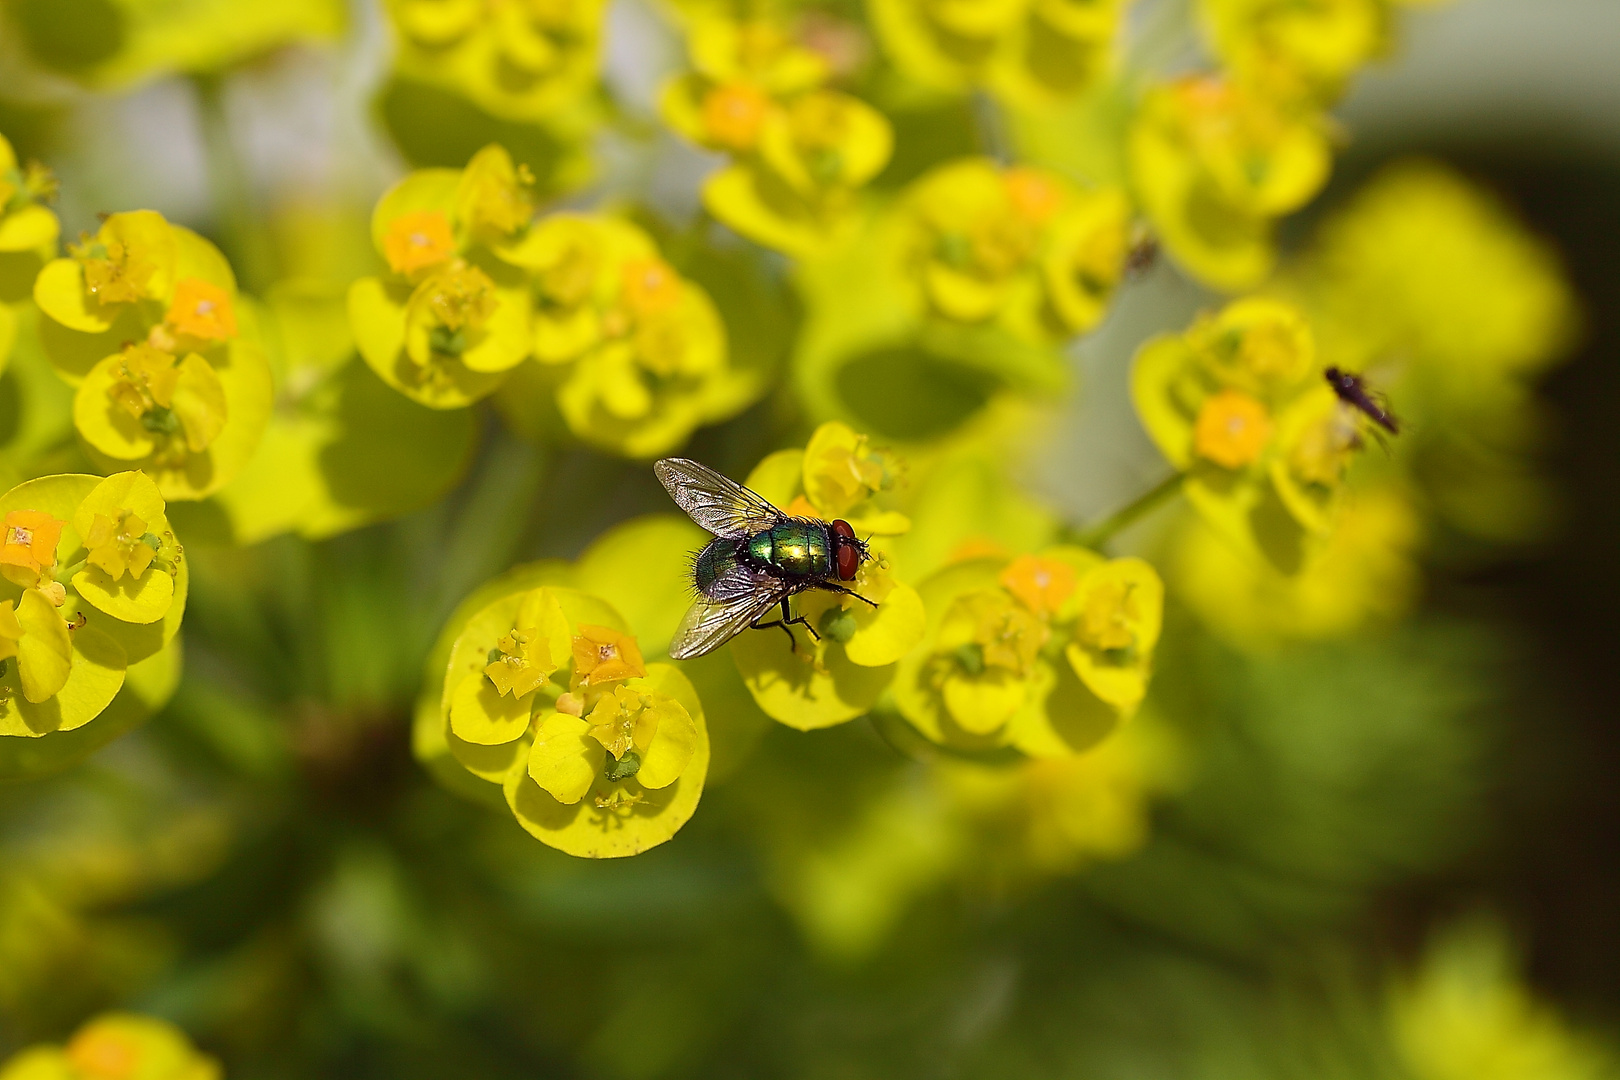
point(739, 596)
point(722, 506)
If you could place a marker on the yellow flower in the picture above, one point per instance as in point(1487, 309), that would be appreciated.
point(1041, 585)
point(146, 326)
point(734, 116)
point(1213, 164)
point(1232, 429)
point(603, 655)
point(632, 354)
point(525, 60)
point(1292, 50)
point(37, 637)
point(1121, 610)
point(418, 240)
point(201, 310)
point(122, 523)
point(116, 1046)
point(1018, 246)
point(493, 200)
point(523, 664)
point(843, 476)
point(119, 547)
point(29, 545)
point(26, 222)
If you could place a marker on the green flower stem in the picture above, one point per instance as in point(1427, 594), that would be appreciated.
point(1105, 530)
point(67, 572)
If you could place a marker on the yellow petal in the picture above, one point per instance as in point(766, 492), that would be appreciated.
point(673, 744)
point(482, 715)
point(564, 760)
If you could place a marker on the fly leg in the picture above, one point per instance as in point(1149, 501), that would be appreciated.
point(830, 587)
point(787, 620)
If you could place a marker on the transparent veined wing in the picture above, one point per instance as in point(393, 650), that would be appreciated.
point(738, 595)
point(722, 506)
point(709, 624)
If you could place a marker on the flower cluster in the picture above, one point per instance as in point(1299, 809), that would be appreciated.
point(799, 149)
point(520, 59)
point(1032, 52)
point(1019, 247)
point(545, 693)
point(116, 1046)
point(1044, 653)
point(94, 590)
point(1239, 405)
point(1214, 163)
point(630, 354)
point(143, 317)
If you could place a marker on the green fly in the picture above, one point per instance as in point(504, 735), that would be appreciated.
point(759, 558)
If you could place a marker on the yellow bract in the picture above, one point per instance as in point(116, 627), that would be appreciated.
point(1291, 50)
point(26, 222)
point(1213, 164)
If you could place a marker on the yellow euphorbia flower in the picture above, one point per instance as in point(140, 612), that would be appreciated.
point(1232, 429)
point(992, 669)
point(1032, 51)
point(168, 382)
point(1120, 611)
point(523, 60)
point(632, 354)
point(453, 318)
point(29, 545)
point(524, 663)
point(1291, 50)
point(1019, 246)
point(1214, 164)
point(26, 221)
point(69, 634)
point(1238, 404)
point(604, 655)
point(116, 1046)
point(418, 240)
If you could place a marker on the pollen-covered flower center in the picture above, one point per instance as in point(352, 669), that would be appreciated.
point(1108, 617)
point(733, 116)
point(418, 240)
point(520, 663)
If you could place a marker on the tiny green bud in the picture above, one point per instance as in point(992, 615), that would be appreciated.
point(622, 768)
point(152, 540)
point(447, 342)
point(160, 421)
point(494, 655)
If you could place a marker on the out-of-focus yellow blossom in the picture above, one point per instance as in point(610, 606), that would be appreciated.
point(545, 694)
point(1365, 573)
point(632, 355)
point(95, 585)
point(1467, 1015)
point(523, 60)
point(1237, 403)
point(116, 1046)
point(800, 151)
point(1430, 287)
point(454, 316)
point(818, 683)
point(27, 224)
point(1045, 653)
point(1018, 246)
point(143, 317)
point(1213, 164)
point(1290, 50)
point(1033, 52)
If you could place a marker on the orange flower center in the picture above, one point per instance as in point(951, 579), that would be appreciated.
point(1232, 429)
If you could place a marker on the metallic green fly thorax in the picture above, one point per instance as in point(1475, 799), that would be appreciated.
point(796, 547)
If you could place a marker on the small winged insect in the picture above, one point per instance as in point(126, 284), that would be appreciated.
point(1143, 254)
point(1353, 392)
point(759, 558)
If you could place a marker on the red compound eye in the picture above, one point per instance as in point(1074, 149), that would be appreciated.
point(848, 551)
